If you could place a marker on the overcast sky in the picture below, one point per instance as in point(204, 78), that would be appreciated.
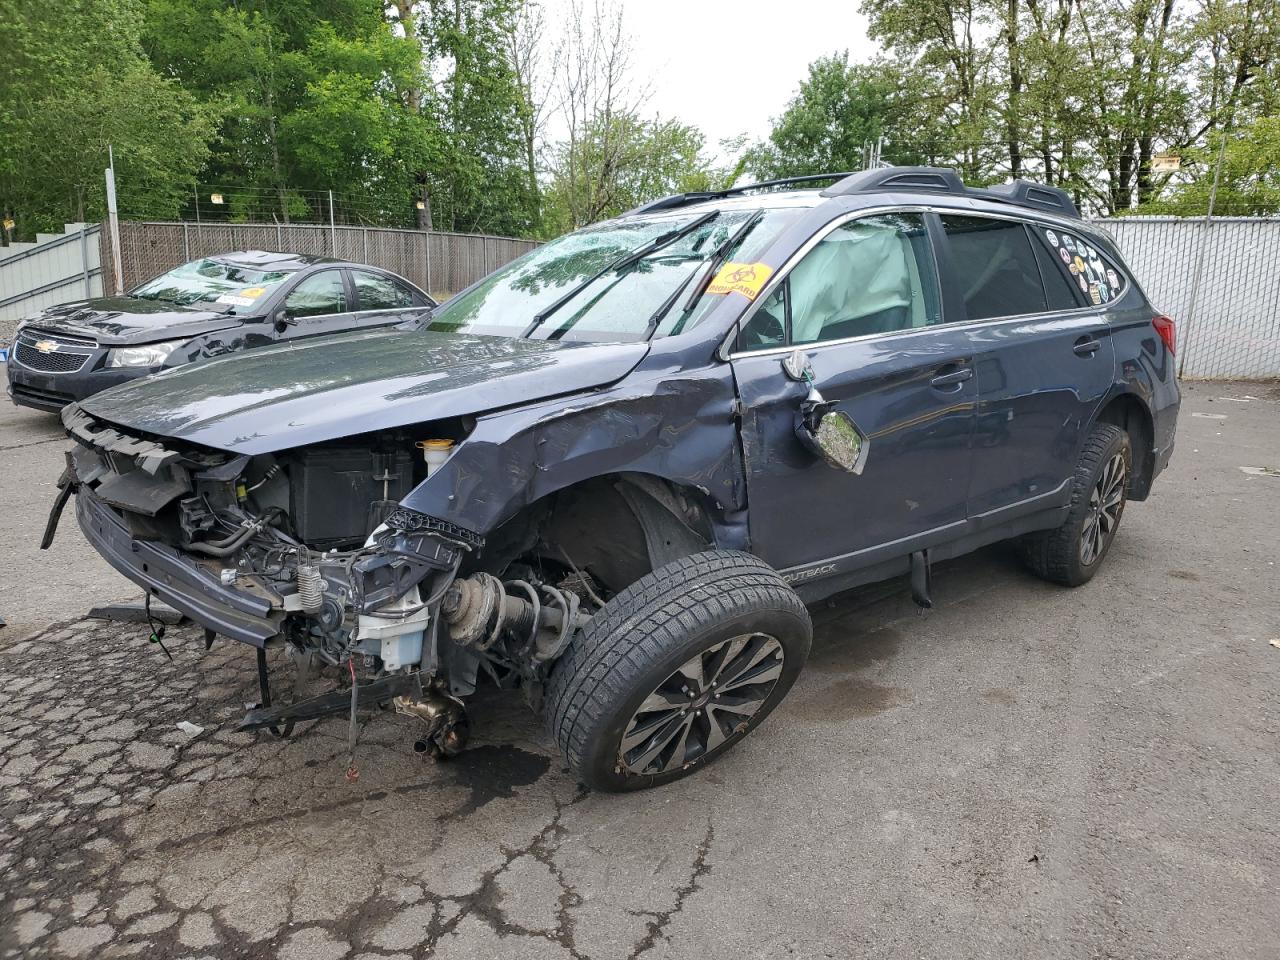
point(727, 67)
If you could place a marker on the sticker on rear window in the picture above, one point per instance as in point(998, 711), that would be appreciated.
point(1053, 237)
point(745, 278)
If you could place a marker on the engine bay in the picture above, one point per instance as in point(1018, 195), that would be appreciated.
point(380, 598)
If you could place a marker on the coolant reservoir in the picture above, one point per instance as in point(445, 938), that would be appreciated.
point(398, 639)
point(435, 452)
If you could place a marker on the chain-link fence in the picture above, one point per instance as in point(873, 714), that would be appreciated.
point(440, 263)
point(1228, 319)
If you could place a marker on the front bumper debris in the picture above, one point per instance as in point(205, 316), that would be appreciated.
point(177, 579)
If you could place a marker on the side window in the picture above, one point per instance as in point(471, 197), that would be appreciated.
point(318, 294)
point(994, 266)
point(872, 275)
point(1099, 280)
point(376, 292)
point(1059, 278)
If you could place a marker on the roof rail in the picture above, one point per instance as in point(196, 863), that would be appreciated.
point(1022, 193)
point(681, 199)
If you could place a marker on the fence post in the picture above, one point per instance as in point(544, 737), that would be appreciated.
point(84, 259)
point(186, 242)
point(365, 241)
point(279, 235)
point(427, 234)
point(333, 231)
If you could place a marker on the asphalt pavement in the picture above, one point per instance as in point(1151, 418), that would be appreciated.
point(1024, 772)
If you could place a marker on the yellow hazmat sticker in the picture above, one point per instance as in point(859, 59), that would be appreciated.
point(253, 292)
point(744, 278)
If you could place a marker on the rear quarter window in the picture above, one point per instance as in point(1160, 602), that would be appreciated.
point(1098, 278)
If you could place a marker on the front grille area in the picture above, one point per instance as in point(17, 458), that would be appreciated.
point(62, 339)
point(68, 354)
point(56, 362)
point(42, 398)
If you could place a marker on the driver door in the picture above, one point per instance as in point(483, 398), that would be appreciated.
point(319, 303)
point(863, 305)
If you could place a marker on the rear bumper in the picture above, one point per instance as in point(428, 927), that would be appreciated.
point(176, 578)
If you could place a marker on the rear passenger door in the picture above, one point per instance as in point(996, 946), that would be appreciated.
point(383, 300)
point(1042, 350)
point(862, 304)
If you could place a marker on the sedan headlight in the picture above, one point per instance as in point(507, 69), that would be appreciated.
point(150, 355)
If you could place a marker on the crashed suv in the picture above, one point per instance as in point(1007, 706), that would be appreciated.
point(614, 472)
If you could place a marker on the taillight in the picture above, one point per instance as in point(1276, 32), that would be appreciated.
point(1168, 333)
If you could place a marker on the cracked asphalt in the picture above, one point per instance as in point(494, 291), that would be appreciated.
point(1026, 771)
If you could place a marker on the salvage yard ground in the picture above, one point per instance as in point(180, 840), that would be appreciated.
point(1026, 771)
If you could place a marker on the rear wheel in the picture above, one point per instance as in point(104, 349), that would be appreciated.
point(676, 669)
point(1072, 554)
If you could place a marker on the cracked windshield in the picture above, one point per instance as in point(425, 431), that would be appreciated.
point(660, 294)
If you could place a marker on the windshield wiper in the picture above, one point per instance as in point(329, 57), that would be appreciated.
point(718, 257)
point(623, 262)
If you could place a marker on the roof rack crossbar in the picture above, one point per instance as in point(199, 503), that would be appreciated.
point(1022, 193)
point(681, 199)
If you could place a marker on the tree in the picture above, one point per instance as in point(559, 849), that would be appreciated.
point(312, 97)
point(620, 164)
point(479, 177)
point(840, 110)
point(66, 96)
point(1249, 183)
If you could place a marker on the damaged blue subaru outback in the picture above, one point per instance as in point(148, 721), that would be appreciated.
point(614, 472)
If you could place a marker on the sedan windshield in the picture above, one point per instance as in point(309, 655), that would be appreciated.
point(214, 283)
point(637, 299)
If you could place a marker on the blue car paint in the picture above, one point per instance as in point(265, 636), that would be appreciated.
point(948, 470)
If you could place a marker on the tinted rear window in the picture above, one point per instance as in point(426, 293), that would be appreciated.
point(1059, 285)
point(995, 267)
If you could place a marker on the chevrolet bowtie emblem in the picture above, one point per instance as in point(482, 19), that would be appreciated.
point(46, 346)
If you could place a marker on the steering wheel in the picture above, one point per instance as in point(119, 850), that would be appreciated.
point(763, 330)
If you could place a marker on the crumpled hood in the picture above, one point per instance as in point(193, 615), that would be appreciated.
point(307, 391)
point(116, 321)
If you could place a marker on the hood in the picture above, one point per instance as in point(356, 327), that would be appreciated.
point(116, 321)
point(308, 391)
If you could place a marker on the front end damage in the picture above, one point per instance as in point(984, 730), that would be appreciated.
point(310, 549)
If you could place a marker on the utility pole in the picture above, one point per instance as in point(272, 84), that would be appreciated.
point(113, 221)
point(1204, 241)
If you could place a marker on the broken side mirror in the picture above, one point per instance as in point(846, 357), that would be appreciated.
point(833, 436)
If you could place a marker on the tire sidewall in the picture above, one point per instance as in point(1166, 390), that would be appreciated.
point(1079, 572)
point(600, 768)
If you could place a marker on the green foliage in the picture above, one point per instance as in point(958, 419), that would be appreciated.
point(1079, 93)
point(66, 95)
point(841, 110)
point(478, 181)
point(313, 97)
point(620, 162)
point(1249, 184)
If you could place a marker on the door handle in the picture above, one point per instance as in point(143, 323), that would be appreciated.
point(1086, 347)
point(952, 379)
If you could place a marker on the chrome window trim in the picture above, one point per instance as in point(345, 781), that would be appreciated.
point(727, 353)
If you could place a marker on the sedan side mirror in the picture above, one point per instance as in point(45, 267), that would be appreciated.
point(283, 320)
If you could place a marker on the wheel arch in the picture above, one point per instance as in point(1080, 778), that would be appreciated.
point(1128, 410)
point(617, 526)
